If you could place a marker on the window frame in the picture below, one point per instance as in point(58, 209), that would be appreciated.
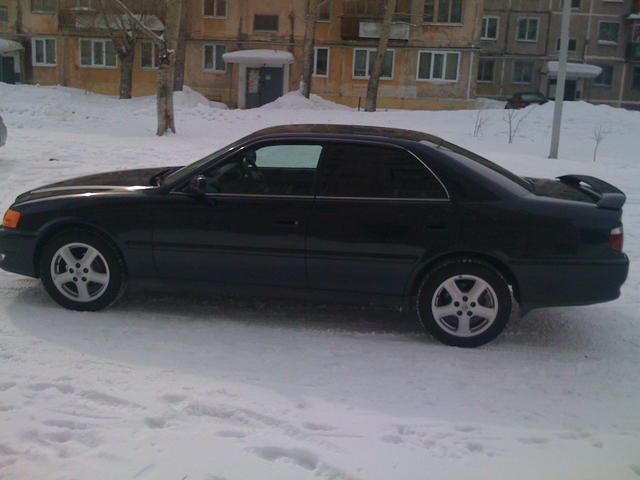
point(44, 12)
point(277, 16)
point(573, 39)
point(436, 12)
point(154, 55)
point(484, 28)
point(215, 9)
point(44, 40)
point(368, 62)
point(325, 20)
point(604, 85)
point(635, 78)
point(608, 42)
point(4, 8)
point(513, 72)
point(493, 71)
point(215, 45)
point(526, 39)
point(315, 61)
point(446, 53)
point(93, 41)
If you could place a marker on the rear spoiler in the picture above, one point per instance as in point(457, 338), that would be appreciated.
point(606, 195)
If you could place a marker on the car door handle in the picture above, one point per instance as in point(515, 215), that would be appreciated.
point(290, 223)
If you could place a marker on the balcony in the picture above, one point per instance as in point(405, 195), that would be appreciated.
point(363, 27)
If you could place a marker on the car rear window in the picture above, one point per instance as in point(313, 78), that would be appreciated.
point(532, 97)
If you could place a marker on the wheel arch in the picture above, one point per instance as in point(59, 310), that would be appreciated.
point(490, 259)
point(54, 229)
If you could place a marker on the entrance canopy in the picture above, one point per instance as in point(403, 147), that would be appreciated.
point(259, 58)
point(9, 46)
point(574, 70)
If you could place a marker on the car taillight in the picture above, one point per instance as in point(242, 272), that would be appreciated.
point(616, 239)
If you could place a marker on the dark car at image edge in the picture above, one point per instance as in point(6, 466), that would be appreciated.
point(339, 213)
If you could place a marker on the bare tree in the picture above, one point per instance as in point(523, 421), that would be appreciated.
point(515, 119)
point(181, 52)
point(311, 17)
point(479, 123)
point(168, 43)
point(124, 32)
point(600, 132)
point(374, 76)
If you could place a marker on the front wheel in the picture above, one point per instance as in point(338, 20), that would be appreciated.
point(464, 303)
point(81, 271)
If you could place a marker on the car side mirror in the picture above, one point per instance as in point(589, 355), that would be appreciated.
point(197, 186)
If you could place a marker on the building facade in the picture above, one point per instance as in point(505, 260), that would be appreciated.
point(520, 40)
point(247, 52)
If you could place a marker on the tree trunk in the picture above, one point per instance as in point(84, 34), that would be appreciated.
point(307, 48)
point(126, 73)
point(374, 76)
point(181, 49)
point(166, 120)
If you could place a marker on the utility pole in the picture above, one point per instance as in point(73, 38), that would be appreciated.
point(562, 77)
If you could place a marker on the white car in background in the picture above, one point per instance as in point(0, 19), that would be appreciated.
point(3, 133)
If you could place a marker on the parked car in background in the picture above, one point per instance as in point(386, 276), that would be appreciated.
point(524, 99)
point(3, 132)
point(335, 212)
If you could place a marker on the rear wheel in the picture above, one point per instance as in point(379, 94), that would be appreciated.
point(82, 271)
point(464, 303)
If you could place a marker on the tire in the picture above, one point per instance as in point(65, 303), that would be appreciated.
point(98, 282)
point(464, 303)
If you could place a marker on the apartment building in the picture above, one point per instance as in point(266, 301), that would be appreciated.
point(248, 52)
point(520, 40)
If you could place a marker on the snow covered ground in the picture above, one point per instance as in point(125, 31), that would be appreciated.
point(167, 387)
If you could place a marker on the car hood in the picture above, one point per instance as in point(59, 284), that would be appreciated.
point(122, 180)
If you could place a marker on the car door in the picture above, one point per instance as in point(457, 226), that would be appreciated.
point(378, 212)
point(249, 227)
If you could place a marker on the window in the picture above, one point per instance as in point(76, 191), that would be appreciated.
point(485, 70)
point(605, 79)
point(282, 169)
point(43, 52)
point(265, 23)
point(527, 30)
point(635, 34)
point(324, 11)
point(349, 170)
point(97, 53)
point(363, 59)
point(635, 79)
point(442, 66)
point(4, 13)
point(321, 61)
point(83, 4)
point(522, 71)
point(573, 45)
point(213, 61)
point(43, 6)
point(443, 11)
point(608, 33)
point(574, 4)
point(215, 8)
point(149, 55)
point(490, 28)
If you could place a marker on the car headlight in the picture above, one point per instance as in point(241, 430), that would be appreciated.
point(11, 219)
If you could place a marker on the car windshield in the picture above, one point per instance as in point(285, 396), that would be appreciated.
point(456, 150)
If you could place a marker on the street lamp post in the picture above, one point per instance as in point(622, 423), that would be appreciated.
point(562, 77)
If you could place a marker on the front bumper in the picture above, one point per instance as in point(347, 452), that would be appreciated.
point(569, 282)
point(17, 252)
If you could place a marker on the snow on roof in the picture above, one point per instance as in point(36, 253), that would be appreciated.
point(580, 70)
point(9, 46)
point(259, 57)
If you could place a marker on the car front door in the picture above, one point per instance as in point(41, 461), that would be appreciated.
point(378, 212)
point(249, 226)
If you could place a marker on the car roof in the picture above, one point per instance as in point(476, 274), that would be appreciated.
point(352, 131)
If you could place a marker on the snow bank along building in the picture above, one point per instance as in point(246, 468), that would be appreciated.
point(248, 52)
point(520, 40)
point(245, 53)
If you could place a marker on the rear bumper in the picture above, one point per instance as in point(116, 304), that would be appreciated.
point(17, 252)
point(570, 282)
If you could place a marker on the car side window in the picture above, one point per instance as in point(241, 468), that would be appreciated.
point(353, 170)
point(276, 169)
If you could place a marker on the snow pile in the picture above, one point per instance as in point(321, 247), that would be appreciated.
point(167, 386)
point(294, 100)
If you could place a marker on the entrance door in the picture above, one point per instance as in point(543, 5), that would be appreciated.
point(264, 85)
point(570, 88)
point(7, 74)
